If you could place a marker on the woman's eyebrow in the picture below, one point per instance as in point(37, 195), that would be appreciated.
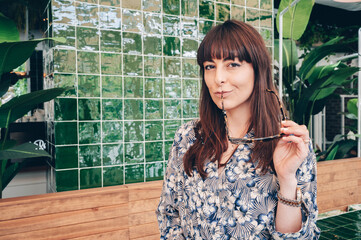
point(229, 58)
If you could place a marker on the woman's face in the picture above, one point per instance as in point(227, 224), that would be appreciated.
point(234, 79)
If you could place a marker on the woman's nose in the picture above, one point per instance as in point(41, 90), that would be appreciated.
point(220, 77)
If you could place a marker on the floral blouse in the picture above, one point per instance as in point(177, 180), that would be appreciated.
point(238, 203)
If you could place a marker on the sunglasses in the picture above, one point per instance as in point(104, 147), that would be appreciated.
point(238, 141)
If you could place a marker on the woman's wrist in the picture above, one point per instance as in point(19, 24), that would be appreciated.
point(288, 187)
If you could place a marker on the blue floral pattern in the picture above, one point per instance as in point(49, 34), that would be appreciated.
point(237, 203)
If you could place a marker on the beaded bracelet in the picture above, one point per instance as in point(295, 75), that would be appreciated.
point(290, 202)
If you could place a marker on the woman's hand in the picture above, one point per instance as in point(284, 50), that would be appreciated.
point(291, 150)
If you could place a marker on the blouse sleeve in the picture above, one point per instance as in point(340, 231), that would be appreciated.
point(306, 180)
point(167, 211)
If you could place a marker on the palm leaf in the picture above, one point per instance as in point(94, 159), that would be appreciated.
point(26, 150)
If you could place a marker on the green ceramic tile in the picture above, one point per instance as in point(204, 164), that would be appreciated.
point(223, 12)
point(190, 108)
point(65, 31)
point(172, 88)
point(171, 25)
point(172, 67)
point(89, 109)
point(172, 109)
point(152, 23)
point(87, 38)
point(112, 154)
point(152, 5)
point(152, 45)
point(153, 109)
point(154, 151)
point(170, 127)
point(167, 148)
point(90, 178)
point(190, 68)
point(252, 17)
point(152, 66)
point(65, 80)
point(354, 216)
point(204, 27)
point(266, 5)
point(112, 132)
point(114, 3)
point(266, 19)
point(65, 109)
point(238, 13)
point(111, 63)
point(153, 88)
point(112, 86)
point(189, 8)
point(66, 180)
point(171, 46)
point(89, 156)
point(133, 87)
point(154, 171)
point(153, 130)
point(132, 21)
point(112, 109)
point(189, 28)
point(133, 4)
point(66, 157)
point(267, 36)
point(189, 47)
point(133, 131)
point(206, 9)
point(88, 62)
point(240, 2)
point(64, 61)
point(134, 152)
point(133, 109)
point(134, 173)
point(110, 41)
point(171, 7)
point(87, 14)
point(132, 43)
point(252, 3)
point(190, 88)
point(89, 132)
point(109, 18)
point(66, 133)
point(112, 176)
point(63, 11)
point(343, 233)
point(133, 65)
point(88, 86)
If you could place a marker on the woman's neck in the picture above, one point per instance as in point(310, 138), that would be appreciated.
point(238, 121)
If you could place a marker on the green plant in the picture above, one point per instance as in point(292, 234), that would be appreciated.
point(308, 88)
point(13, 53)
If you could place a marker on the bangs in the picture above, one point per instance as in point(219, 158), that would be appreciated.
point(222, 42)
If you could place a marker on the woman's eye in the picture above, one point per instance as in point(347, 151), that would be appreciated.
point(208, 67)
point(234, 65)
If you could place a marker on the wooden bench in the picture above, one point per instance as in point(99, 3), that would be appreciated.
point(128, 211)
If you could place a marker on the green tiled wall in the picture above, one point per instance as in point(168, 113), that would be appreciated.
point(133, 66)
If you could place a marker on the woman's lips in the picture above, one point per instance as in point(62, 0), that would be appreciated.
point(225, 93)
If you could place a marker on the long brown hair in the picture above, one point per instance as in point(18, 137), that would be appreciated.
point(230, 40)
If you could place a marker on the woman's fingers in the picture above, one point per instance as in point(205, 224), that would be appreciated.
point(292, 128)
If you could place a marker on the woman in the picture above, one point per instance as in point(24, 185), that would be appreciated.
point(239, 172)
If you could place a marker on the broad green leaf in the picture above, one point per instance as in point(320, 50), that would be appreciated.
point(352, 106)
point(11, 171)
point(332, 154)
point(7, 144)
point(18, 106)
point(296, 19)
point(15, 53)
point(344, 148)
point(317, 54)
point(8, 30)
point(322, 71)
point(290, 55)
point(26, 150)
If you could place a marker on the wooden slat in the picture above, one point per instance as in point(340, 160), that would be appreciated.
point(142, 218)
point(152, 237)
point(143, 231)
point(116, 235)
point(72, 231)
point(62, 219)
point(59, 202)
point(146, 190)
point(143, 205)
